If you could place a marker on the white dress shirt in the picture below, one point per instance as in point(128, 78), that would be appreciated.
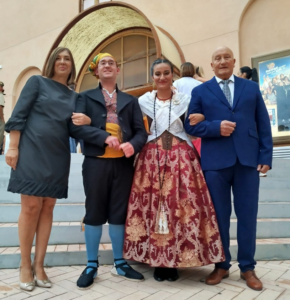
point(110, 95)
point(231, 85)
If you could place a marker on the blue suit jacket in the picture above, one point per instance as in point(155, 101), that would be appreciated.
point(251, 142)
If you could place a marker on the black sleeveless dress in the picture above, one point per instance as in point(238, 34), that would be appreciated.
point(42, 114)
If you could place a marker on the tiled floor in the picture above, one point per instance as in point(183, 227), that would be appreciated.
point(274, 274)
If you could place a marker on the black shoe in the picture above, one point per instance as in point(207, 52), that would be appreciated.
point(126, 271)
point(160, 274)
point(85, 281)
point(172, 274)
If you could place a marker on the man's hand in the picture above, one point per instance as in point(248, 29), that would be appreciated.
point(227, 128)
point(195, 119)
point(263, 168)
point(127, 149)
point(80, 119)
point(113, 142)
point(12, 158)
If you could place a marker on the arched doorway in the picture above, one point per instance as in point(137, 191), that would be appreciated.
point(124, 31)
point(135, 51)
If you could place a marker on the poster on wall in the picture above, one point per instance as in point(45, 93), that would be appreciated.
point(274, 77)
point(272, 115)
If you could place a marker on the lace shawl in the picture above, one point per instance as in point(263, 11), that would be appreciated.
point(179, 106)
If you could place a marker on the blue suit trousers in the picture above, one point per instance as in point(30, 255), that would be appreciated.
point(243, 182)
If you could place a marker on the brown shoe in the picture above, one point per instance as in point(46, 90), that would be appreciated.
point(216, 276)
point(253, 282)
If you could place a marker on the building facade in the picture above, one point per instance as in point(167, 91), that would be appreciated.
point(138, 31)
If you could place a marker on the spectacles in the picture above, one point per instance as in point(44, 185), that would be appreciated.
point(110, 63)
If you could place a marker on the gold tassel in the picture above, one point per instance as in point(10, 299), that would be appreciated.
point(161, 226)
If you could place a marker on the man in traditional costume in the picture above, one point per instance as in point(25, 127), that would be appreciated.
point(116, 134)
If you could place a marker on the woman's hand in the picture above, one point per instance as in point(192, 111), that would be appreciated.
point(80, 119)
point(12, 157)
point(195, 119)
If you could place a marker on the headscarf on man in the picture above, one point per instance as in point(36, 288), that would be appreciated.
point(94, 64)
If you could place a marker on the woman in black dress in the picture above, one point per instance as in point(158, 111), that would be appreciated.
point(39, 155)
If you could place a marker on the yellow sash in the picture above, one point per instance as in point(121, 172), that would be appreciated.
point(146, 124)
point(114, 130)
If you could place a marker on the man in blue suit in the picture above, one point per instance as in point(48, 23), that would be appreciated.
point(236, 146)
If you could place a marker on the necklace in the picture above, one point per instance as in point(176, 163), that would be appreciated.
point(164, 99)
point(161, 226)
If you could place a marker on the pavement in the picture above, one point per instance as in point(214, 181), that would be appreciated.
point(275, 276)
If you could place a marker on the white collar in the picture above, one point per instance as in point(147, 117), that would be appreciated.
point(110, 95)
point(180, 103)
point(232, 78)
point(176, 98)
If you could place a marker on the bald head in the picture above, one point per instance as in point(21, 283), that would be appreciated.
point(223, 62)
point(222, 49)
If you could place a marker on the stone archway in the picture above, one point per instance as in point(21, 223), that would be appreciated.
point(98, 23)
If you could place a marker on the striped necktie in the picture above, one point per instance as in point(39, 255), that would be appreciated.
point(227, 91)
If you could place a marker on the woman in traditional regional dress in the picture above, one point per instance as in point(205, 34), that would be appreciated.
point(39, 156)
point(171, 221)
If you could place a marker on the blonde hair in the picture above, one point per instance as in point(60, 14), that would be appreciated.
point(199, 71)
point(49, 68)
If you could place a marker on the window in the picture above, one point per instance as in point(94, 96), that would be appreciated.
point(84, 4)
point(88, 3)
point(134, 53)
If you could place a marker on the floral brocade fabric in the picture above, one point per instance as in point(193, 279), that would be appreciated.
point(193, 238)
point(111, 104)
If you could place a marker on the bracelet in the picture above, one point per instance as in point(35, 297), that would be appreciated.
point(13, 149)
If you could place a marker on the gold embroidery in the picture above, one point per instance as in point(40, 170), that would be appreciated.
point(188, 258)
point(162, 240)
point(135, 229)
point(145, 182)
point(168, 184)
point(207, 231)
point(185, 213)
point(193, 238)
